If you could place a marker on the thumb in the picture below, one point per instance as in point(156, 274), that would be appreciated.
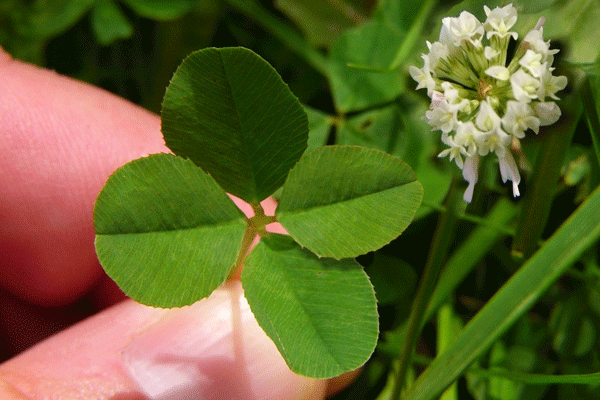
point(213, 349)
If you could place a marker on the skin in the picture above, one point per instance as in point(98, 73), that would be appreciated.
point(60, 139)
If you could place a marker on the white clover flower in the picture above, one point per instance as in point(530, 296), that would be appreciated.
point(470, 173)
point(500, 20)
point(437, 51)
point(536, 42)
point(550, 84)
point(482, 101)
point(423, 76)
point(498, 72)
point(465, 27)
point(490, 53)
point(510, 171)
point(455, 152)
point(524, 86)
point(548, 112)
point(442, 116)
point(466, 134)
point(519, 118)
point(493, 142)
point(487, 120)
point(532, 62)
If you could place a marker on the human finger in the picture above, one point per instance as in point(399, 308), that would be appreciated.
point(60, 140)
point(213, 349)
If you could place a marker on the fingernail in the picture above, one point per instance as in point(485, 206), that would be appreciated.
point(213, 349)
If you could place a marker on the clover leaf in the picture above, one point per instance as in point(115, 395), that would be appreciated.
point(169, 235)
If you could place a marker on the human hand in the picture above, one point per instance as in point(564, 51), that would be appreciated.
point(60, 139)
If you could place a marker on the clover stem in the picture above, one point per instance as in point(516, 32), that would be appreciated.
point(437, 255)
point(247, 240)
point(256, 225)
point(260, 220)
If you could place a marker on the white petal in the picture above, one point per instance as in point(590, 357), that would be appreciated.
point(548, 112)
point(516, 189)
point(470, 173)
point(499, 72)
point(490, 52)
point(487, 120)
point(510, 171)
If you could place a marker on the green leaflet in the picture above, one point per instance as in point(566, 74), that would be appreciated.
point(230, 113)
point(320, 313)
point(344, 201)
point(167, 234)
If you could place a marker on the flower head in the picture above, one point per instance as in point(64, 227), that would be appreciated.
point(482, 101)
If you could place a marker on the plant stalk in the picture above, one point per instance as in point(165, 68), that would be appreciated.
point(247, 240)
point(592, 111)
point(437, 255)
point(256, 225)
point(546, 175)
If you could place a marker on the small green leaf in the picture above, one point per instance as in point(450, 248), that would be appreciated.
point(161, 10)
point(230, 113)
point(109, 23)
point(321, 21)
point(49, 18)
point(167, 234)
point(572, 329)
point(377, 129)
point(319, 125)
point(344, 201)
point(321, 313)
point(371, 44)
point(394, 280)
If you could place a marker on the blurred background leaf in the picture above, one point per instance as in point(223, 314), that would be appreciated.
point(322, 21)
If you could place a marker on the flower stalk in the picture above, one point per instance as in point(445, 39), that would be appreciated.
point(546, 175)
point(438, 253)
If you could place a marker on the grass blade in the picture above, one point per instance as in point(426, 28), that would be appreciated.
point(567, 244)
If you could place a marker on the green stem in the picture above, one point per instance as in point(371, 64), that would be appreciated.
point(256, 225)
point(591, 107)
point(538, 200)
point(471, 250)
point(414, 34)
point(439, 249)
point(247, 240)
point(282, 31)
point(482, 221)
point(260, 220)
point(538, 379)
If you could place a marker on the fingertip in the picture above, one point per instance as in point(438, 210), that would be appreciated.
point(211, 350)
point(9, 392)
point(4, 57)
point(61, 139)
point(202, 360)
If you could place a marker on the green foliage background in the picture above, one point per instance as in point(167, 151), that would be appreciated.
point(532, 329)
